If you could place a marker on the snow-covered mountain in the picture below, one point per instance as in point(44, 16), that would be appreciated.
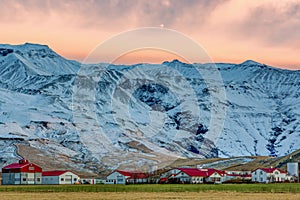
point(91, 115)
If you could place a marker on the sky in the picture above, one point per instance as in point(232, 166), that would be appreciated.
point(231, 31)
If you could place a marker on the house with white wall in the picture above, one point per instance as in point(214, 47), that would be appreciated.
point(59, 177)
point(125, 177)
point(268, 175)
point(193, 175)
point(190, 175)
point(214, 175)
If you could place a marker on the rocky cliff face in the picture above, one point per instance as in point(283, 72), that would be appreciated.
point(143, 115)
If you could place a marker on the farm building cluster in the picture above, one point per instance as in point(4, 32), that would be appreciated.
point(25, 172)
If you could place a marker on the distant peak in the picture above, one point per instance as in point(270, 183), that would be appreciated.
point(25, 46)
point(172, 62)
point(34, 45)
point(250, 62)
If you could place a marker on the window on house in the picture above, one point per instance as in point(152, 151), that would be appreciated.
point(261, 179)
point(31, 168)
point(261, 172)
point(75, 179)
point(24, 179)
point(62, 179)
point(38, 179)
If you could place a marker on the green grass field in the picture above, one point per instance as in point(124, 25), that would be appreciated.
point(253, 188)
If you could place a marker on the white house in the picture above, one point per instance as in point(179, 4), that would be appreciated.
point(125, 177)
point(193, 175)
point(268, 175)
point(190, 175)
point(59, 177)
point(214, 175)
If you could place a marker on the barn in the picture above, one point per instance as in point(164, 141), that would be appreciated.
point(21, 173)
point(59, 177)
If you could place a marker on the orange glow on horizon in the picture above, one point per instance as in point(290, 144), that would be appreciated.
point(229, 31)
point(148, 56)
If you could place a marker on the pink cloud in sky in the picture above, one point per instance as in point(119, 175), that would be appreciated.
point(230, 31)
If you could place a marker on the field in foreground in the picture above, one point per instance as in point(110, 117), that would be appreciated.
point(149, 195)
point(244, 188)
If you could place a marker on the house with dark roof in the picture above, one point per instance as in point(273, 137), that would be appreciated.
point(21, 173)
point(268, 175)
point(126, 177)
point(59, 177)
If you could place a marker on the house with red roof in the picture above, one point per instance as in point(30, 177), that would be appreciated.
point(190, 175)
point(268, 175)
point(214, 175)
point(126, 177)
point(21, 173)
point(194, 175)
point(59, 177)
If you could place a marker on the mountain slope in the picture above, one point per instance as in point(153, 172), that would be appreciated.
point(145, 115)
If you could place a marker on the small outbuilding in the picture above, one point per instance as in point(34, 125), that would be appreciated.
point(21, 173)
point(59, 177)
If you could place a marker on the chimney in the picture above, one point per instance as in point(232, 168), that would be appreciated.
point(23, 161)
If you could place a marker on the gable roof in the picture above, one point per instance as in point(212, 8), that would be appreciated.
point(15, 166)
point(201, 172)
point(21, 164)
point(270, 170)
point(124, 173)
point(54, 173)
point(133, 175)
point(193, 172)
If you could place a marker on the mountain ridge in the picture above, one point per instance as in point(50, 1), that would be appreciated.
point(146, 114)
